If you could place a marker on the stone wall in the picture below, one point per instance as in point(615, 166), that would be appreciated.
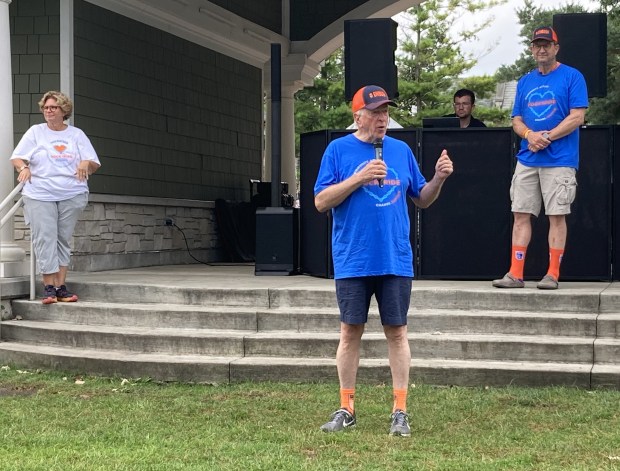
point(123, 232)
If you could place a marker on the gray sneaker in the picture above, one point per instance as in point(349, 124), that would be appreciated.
point(548, 282)
point(339, 420)
point(400, 424)
point(508, 281)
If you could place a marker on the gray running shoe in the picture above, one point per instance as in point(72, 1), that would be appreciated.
point(340, 420)
point(548, 282)
point(508, 281)
point(400, 424)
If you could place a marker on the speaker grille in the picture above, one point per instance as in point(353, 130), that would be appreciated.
point(369, 55)
point(583, 45)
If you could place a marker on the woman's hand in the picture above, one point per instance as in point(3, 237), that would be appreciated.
point(24, 175)
point(83, 171)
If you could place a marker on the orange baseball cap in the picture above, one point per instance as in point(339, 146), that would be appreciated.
point(370, 97)
point(546, 32)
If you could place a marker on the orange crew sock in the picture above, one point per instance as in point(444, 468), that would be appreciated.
point(517, 261)
point(400, 400)
point(347, 400)
point(555, 259)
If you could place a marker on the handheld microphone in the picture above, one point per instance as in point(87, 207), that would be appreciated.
point(378, 145)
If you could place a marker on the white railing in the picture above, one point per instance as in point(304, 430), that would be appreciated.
point(7, 201)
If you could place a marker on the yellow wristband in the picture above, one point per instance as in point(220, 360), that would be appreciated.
point(526, 133)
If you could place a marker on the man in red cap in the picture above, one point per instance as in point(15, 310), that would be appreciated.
point(370, 243)
point(550, 106)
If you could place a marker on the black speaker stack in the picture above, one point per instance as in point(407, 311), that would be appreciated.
point(583, 45)
point(369, 55)
point(466, 233)
point(277, 236)
point(277, 228)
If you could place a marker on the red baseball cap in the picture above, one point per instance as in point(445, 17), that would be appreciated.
point(370, 97)
point(545, 32)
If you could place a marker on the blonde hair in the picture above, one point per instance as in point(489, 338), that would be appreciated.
point(62, 100)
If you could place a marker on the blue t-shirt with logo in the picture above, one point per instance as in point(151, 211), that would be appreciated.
point(370, 233)
point(543, 101)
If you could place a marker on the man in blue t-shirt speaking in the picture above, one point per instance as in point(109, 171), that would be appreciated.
point(365, 179)
point(550, 106)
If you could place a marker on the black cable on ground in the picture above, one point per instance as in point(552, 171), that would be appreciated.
point(232, 264)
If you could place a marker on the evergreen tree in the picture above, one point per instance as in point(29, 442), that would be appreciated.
point(430, 59)
point(322, 106)
point(531, 16)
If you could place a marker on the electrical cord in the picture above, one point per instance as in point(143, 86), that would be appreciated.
point(170, 223)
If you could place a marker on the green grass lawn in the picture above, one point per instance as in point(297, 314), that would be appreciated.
point(51, 422)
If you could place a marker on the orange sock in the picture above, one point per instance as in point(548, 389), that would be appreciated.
point(555, 259)
point(400, 400)
point(347, 399)
point(517, 261)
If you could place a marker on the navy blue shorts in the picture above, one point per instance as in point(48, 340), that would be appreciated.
point(393, 294)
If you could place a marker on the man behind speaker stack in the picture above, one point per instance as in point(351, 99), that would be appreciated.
point(370, 243)
point(549, 107)
point(464, 102)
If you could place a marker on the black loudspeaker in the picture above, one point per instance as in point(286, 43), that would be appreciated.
point(583, 45)
point(277, 245)
point(588, 245)
point(315, 256)
point(466, 233)
point(369, 51)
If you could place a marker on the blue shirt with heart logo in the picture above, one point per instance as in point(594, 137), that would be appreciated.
point(370, 230)
point(543, 101)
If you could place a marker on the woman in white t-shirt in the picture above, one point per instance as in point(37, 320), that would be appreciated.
point(54, 161)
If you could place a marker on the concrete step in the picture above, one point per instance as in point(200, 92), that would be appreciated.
point(448, 295)
point(140, 315)
point(608, 325)
point(605, 376)
point(310, 319)
point(607, 351)
point(120, 292)
point(610, 299)
point(294, 344)
point(218, 325)
point(222, 369)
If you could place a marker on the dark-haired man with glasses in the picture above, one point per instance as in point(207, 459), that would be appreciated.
point(464, 103)
point(550, 106)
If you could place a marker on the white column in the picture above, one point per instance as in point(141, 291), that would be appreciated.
point(288, 167)
point(66, 51)
point(9, 251)
point(297, 71)
point(289, 170)
point(266, 168)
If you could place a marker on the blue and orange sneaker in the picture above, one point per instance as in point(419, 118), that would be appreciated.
point(64, 296)
point(49, 295)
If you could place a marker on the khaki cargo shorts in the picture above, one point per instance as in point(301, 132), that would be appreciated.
point(531, 186)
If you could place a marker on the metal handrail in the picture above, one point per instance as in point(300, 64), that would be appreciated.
point(12, 211)
point(7, 217)
point(10, 197)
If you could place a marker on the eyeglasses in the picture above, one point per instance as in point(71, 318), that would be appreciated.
point(545, 46)
point(462, 105)
point(50, 108)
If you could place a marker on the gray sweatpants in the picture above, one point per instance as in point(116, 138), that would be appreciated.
point(51, 228)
